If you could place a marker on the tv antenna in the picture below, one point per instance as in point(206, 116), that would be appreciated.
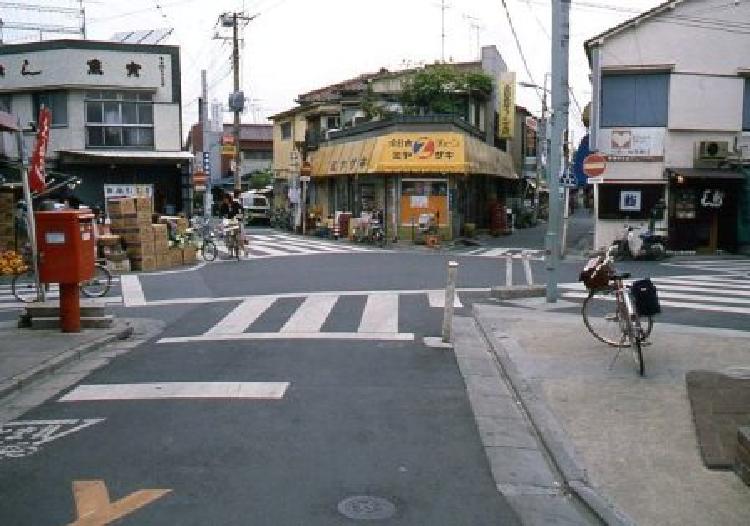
point(443, 7)
point(477, 28)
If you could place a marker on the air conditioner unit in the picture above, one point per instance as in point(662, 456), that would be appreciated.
point(713, 150)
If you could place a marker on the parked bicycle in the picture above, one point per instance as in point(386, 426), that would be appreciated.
point(615, 313)
point(24, 287)
point(204, 237)
point(232, 236)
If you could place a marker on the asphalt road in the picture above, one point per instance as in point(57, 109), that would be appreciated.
point(329, 392)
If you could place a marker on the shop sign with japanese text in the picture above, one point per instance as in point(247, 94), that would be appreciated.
point(507, 105)
point(632, 144)
point(415, 149)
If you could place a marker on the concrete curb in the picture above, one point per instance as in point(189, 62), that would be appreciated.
point(554, 438)
point(518, 291)
point(121, 331)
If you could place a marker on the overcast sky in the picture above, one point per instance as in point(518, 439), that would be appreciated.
point(298, 45)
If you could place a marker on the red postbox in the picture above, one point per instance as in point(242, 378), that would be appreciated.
point(66, 246)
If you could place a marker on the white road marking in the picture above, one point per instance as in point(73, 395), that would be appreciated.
point(437, 300)
point(288, 248)
point(242, 316)
point(496, 252)
point(311, 315)
point(376, 336)
point(24, 437)
point(177, 390)
point(706, 289)
point(199, 300)
point(132, 292)
point(267, 251)
point(677, 304)
point(380, 314)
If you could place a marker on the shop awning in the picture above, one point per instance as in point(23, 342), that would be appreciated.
point(701, 173)
point(125, 156)
point(412, 153)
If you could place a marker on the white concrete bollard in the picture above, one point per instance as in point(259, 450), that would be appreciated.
point(508, 271)
point(527, 269)
point(450, 294)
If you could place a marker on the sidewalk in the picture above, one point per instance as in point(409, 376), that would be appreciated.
point(633, 438)
point(27, 355)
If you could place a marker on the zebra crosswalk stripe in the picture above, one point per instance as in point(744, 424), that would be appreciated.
point(698, 292)
point(379, 318)
point(241, 317)
point(311, 315)
point(380, 314)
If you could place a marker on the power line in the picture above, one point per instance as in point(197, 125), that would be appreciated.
point(520, 49)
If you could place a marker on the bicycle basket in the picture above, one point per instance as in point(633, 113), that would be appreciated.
point(646, 298)
point(596, 274)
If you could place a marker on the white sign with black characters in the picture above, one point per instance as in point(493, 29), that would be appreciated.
point(712, 198)
point(630, 201)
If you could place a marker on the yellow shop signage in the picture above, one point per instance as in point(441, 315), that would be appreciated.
point(417, 149)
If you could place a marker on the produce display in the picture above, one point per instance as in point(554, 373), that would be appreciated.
point(11, 263)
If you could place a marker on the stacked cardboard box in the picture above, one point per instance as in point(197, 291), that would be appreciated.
point(131, 220)
point(7, 222)
point(189, 255)
point(161, 246)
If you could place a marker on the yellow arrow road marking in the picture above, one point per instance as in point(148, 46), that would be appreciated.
point(93, 507)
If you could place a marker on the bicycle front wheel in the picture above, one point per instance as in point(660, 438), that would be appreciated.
point(98, 285)
point(23, 287)
point(209, 250)
point(603, 318)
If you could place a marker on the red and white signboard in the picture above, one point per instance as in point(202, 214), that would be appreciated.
point(594, 165)
point(38, 172)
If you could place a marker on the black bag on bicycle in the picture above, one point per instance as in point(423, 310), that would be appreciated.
point(646, 298)
point(596, 274)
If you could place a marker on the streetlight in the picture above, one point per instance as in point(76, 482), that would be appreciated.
point(541, 146)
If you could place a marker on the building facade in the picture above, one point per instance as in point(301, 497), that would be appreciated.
point(116, 116)
point(671, 110)
point(364, 154)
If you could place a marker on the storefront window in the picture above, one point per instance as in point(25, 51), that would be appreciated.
point(424, 188)
point(424, 197)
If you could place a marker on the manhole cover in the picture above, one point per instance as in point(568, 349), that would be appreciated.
point(365, 507)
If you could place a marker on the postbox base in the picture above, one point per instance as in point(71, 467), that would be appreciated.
point(70, 307)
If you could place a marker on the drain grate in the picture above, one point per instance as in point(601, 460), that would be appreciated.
point(366, 507)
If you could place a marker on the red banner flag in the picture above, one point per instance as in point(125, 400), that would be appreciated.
point(38, 172)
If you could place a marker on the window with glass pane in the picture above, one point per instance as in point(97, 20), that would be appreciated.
point(119, 119)
point(56, 101)
point(5, 103)
point(637, 100)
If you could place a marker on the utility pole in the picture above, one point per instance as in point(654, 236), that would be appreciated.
point(207, 196)
point(236, 68)
point(560, 101)
point(237, 97)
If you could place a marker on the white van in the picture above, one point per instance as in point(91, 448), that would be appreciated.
point(256, 206)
